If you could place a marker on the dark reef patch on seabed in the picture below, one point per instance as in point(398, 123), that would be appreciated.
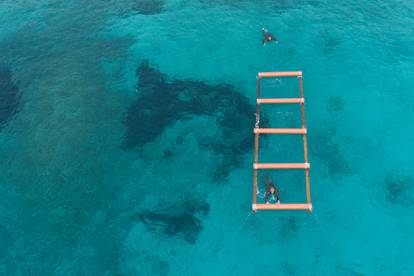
point(5, 240)
point(9, 95)
point(330, 153)
point(163, 102)
point(154, 264)
point(184, 225)
point(288, 268)
point(335, 104)
point(167, 153)
point(343, 269)
point(289, 228)
point(330, 44)
point(398, 188)
point(148, 7)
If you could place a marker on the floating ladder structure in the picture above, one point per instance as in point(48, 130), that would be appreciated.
point(298, 131)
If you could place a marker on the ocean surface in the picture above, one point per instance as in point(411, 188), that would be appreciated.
point(126, 141)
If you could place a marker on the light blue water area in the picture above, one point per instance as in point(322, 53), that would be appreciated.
point(126, 142)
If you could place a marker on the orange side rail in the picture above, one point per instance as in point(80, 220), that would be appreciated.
point(287, 206)
point(256, 145)
point(279, 74)
point(305, 142)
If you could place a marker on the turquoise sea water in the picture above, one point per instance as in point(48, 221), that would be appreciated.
point(126, 141)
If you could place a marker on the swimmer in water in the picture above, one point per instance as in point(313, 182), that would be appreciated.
point(272, 193)
point(267, 37)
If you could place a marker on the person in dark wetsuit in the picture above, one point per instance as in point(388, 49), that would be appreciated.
point(267, 37)
point(272, 194)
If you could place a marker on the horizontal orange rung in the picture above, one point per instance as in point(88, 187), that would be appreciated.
point(257, 166)
point(280, 101)
point(287, 206)
point(280, 74)
point(280, 130)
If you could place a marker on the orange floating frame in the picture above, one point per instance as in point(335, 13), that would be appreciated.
point(300, 131)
